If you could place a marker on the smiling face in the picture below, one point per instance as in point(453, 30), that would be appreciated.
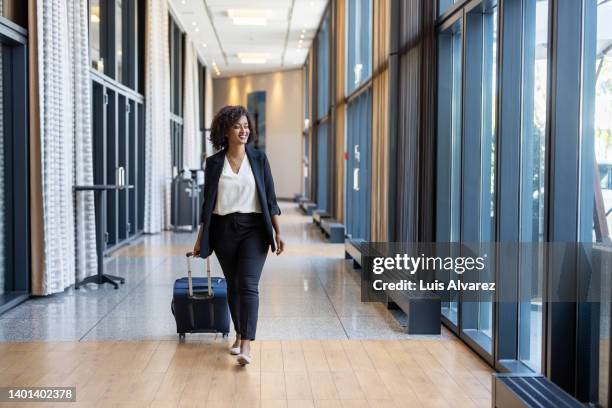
point(239, 132)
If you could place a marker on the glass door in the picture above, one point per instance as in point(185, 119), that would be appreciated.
point(4, 238)
point(14, 184)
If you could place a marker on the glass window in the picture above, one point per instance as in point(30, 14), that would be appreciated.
point(256, 105)
point(95, 35)
point(323, 69)
point(306, 95)
point(533, 160)
point(448, 171)
point(359, 43)
point(445, 5)
point(596, 172)
point(113, 39)
point(489, 124)
point(176, 38)
point(306, 133)
point(3, 187)
point(597, 161)
point(478, 155)
point(15, 10)
point(487, 202)
point(119, 40)
point(487, 178)
point(202, 97)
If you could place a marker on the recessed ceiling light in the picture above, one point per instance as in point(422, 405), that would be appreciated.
point(252, 54)
point(249, 17)
point(301, 41)
point(244, 13)
point(197, 29)
point(302, 36)
point(204, 45)
point(193, 23)
point(253, 60)
point(250, 21)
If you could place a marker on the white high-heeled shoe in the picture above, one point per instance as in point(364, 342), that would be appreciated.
point(243, 359)
point(234, 351)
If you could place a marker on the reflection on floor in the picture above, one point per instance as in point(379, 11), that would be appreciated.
point(318, 345)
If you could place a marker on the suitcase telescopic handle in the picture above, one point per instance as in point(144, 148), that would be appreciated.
point(189, 277)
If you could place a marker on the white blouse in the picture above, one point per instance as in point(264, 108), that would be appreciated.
point(237, 192)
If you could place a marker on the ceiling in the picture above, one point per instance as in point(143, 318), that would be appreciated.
point(239, 37)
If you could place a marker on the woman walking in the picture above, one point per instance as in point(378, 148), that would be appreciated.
point(237, 219)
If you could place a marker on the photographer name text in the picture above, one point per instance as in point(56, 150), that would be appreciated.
point(413, 264)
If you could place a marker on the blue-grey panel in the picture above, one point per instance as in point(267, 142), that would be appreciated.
point(322, 163)
point(359, 168)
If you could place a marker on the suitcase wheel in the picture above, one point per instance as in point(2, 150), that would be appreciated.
point(225, 335)
point(181, 336)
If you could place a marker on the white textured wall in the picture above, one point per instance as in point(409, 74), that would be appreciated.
point(283, 120)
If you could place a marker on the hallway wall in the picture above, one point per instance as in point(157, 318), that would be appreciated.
point(284, 100)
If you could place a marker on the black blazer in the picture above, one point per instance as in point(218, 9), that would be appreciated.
point(265, 189)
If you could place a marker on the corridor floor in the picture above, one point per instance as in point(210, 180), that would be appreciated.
point(308, 292)
point(317, 344)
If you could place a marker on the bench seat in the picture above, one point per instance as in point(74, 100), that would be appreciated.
point(308, 207)
point(318, 215)
point(333, 230)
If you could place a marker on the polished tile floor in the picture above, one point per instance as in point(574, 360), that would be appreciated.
point(309, 292)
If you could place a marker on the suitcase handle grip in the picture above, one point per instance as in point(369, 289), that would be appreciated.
point(189, 277)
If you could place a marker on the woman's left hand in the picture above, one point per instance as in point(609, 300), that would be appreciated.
point(280, 245)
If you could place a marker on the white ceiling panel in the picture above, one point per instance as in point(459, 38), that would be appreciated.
point(216, 28)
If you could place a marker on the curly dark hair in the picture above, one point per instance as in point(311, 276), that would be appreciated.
point(227, 117)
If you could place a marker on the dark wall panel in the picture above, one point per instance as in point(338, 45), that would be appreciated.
point(407, 144)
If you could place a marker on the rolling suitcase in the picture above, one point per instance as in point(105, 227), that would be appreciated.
point(199, 305)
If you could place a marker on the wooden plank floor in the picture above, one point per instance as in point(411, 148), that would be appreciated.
point(201, 373)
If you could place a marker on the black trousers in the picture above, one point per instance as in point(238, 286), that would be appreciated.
point(240, 243)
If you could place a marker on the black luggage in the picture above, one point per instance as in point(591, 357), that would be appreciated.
point(200, 305)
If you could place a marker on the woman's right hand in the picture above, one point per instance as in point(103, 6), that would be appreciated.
point(196, 247)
